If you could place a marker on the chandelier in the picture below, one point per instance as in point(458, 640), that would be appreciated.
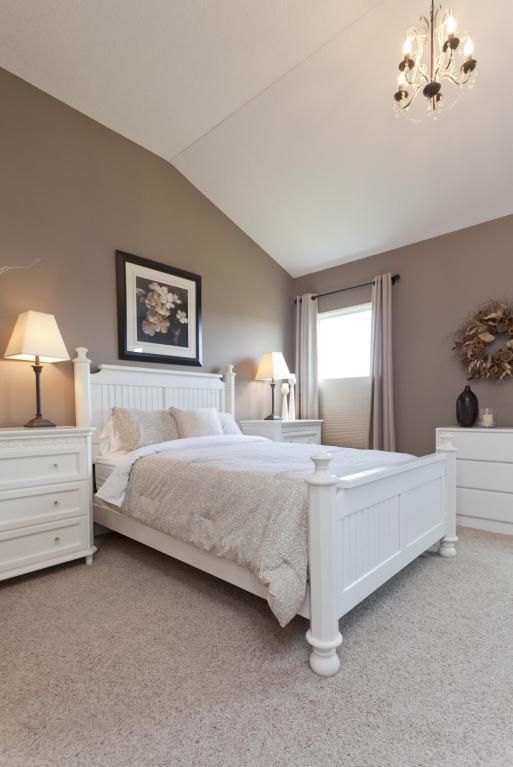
point(433, 54)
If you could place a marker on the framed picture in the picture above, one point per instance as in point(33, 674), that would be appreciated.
point(159, 312)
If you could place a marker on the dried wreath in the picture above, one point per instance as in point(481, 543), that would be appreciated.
point(474, 342)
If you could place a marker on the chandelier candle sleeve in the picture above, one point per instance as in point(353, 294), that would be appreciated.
point(434, 54)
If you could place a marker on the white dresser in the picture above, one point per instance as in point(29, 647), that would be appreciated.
point(308, 432)
point(484, 478)
point(45, 498)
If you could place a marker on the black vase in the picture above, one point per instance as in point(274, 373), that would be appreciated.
point(467, 408)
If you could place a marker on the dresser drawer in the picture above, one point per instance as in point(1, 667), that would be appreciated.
point(24, 546)
point(485, 475)
point(483, 445)
point(483, 504)
point(35, 505)
point(42, 466)
point(304, 437)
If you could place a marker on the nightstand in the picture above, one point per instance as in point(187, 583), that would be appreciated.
point(307, 432)
point(45, 498)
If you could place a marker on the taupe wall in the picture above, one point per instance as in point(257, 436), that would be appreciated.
point(442, 280)
point(71, 193)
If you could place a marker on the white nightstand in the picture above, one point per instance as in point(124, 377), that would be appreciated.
point(45, 498)
point(308, 432)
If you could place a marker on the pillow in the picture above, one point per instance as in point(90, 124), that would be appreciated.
point(108, 442)
point(137, 428)
point(203, 422)
point(229, 424)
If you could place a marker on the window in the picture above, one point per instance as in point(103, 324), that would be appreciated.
point(344, 343)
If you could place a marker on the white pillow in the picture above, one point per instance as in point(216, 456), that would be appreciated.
point(108, 442)
point(203, 422)
point(229, 424)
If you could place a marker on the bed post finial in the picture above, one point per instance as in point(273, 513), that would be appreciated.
point(82, 373)
point(448, 543)
point(229, 383)
point(323, 634)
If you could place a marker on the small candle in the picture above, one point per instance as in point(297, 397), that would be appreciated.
point(487, 418)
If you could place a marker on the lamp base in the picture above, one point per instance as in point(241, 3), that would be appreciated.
point(39, 423)
point(273, 417)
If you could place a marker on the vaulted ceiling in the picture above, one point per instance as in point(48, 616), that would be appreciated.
point(280, 111)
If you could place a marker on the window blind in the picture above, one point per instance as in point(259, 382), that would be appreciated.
point(344, 405)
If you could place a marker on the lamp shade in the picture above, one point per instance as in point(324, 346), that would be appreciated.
point(36, 334)
point(272, 367)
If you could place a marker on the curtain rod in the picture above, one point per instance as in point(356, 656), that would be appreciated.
point(395, 278)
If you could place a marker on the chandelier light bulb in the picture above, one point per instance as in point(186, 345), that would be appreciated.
point(468, 50)
point(450, 25)
point(408, 46)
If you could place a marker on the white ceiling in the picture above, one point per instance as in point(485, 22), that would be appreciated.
point(280, 111)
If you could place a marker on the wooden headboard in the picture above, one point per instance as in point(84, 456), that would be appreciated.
point(146, 389)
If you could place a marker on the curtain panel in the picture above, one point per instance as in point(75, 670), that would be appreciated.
point(306, 356)
point(382, 420)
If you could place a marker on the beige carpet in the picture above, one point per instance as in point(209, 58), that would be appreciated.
point(140, 660)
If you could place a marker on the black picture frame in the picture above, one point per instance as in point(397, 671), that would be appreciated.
point(179, 320)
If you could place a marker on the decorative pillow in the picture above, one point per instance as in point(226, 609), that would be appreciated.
point(229, 424)
point(137, 428)
point(203, 422)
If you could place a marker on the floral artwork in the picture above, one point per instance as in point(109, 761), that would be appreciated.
point(162, 312)
point(159, 312)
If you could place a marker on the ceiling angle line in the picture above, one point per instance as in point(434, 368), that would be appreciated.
point(278, 79)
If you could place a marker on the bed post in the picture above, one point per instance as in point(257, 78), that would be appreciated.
point(82, 372)
point(448, 543)
point(323, 634)
point(229, 384)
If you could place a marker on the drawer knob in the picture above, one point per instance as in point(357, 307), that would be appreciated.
point(56, 503)
point(54, 466)
point(57, 539)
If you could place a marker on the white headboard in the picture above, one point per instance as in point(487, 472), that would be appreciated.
point(146, 389)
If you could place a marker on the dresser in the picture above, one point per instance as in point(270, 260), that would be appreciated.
point(307, 432)
point(45, 498)
point(484, 476)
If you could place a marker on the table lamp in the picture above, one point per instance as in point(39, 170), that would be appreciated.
point(272, 368)
point(36, 337)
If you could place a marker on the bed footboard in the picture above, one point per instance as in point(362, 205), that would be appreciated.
point(365, 528)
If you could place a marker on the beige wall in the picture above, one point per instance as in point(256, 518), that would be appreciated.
point(71, 193)
point(442, 280)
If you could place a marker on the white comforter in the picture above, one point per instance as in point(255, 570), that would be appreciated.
point(242, 498)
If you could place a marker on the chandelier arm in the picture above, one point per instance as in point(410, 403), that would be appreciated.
point(452, 79)
point(420, 80)
point(412, 98)
point(421, 72)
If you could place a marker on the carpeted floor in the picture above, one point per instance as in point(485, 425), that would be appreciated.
point(140, 660)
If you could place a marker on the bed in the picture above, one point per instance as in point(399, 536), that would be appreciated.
point(363, 527)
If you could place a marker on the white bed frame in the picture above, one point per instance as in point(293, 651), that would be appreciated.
point(363, 528)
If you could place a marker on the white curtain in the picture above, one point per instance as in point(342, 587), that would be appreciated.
point(382, 427)
point(306, 356)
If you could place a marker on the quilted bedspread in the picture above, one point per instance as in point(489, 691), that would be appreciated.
point(240, 498)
